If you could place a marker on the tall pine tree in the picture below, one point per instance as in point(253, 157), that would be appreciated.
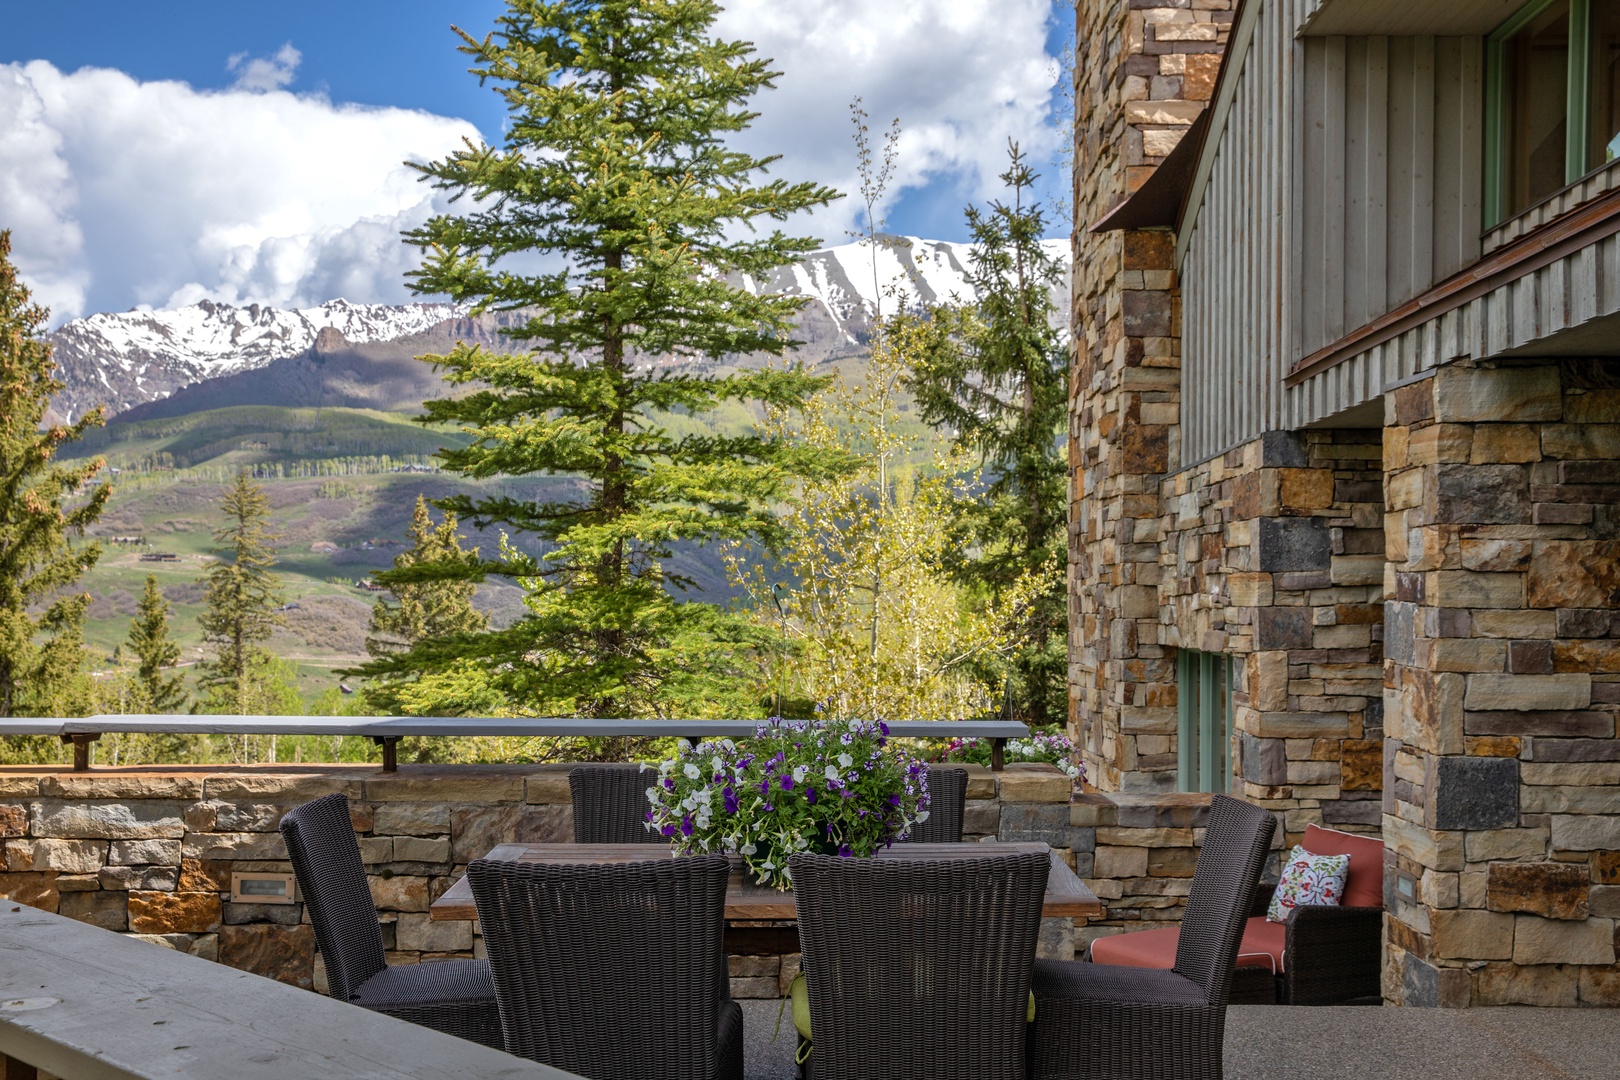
point(243, 597)
point(45, 508)
point(155, 652)
point(616, 167)
point(996, 377)
point(432, 611)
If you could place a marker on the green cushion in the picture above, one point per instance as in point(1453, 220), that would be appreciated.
point(799, 994)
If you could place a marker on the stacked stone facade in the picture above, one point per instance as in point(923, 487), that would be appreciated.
point(1502, 762)
point(1143, 72)
point(151, 851)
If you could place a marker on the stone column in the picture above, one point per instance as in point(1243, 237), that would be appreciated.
point(1502, 686)
point(1143, 72)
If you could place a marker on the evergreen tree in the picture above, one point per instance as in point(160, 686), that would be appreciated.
point(60, 684)
point(243, 598)
point(424, 611)
point(616, 166)
point(996, 376)
point(154, 651)
point(44, 508)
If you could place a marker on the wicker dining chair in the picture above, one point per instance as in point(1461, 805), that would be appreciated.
point(1105, 1021)
point(918, 970)
point(947, 800)
point(456, 997)
point(610, 804)
point(614, 970)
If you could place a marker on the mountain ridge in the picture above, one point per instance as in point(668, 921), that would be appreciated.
point(209, 354)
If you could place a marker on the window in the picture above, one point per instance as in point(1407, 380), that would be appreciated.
point(1552, 101)
point(1204, 700)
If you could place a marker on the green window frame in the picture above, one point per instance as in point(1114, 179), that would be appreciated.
point(1577, 102)
point(1204, 721)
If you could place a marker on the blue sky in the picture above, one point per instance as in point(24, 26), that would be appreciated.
point(107, 213)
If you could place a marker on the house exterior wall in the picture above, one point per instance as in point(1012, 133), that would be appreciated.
point(1344, 180)
point(1502, 686)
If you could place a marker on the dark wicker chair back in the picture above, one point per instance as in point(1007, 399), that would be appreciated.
point(918, 968)
point(614, 970)
point(326, 860)
point(610, 804)
point(1224, 882)
point(947, 799)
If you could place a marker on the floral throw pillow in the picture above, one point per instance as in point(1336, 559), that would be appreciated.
point(1308, 880)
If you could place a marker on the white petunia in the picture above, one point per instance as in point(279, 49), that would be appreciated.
point(845, 760)
point(691, 771)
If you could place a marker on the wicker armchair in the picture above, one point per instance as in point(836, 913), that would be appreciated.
point(456, 997)
point(918, 970)
point(613, 970)
point(947, 799)
point(1103, 1021)
point(610, 804)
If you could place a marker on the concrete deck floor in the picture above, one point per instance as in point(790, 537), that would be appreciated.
point(1263, 1042)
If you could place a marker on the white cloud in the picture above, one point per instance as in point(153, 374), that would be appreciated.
point(265, 72)
point(126, 193)
point(962, 76)
point(123, 193)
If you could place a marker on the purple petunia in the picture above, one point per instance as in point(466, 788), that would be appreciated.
point(686, 826)
point(810, 795)
point(786, 780)
point(730, 800)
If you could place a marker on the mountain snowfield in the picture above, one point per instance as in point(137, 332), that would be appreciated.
point(125, 359)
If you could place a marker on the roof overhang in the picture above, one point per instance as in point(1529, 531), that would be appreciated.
point(1409, 18)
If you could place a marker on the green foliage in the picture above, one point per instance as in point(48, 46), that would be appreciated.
point(875, 627)
point(423, 611)
point(243, 595)
point(996, 374)
point(616, 164)
point(44, 508)
point(155, 652)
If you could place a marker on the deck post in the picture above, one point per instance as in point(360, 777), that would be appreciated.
point(390, 749)
point(81, 757)
point(998, 753)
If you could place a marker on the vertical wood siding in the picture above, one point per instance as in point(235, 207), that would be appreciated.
point(1346, 181)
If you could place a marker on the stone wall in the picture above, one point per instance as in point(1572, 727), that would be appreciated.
point(150, 851)
point(1502, 691)
point(1143, 72)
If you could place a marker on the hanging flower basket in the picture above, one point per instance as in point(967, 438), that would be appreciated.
point(833, 787)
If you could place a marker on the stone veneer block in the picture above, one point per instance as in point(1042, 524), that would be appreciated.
point(981, 780)
point(1551, 890)
point(173, 912)
point(287, 788)
point(285, 953)
point(549, 785)
point(1034, 822)
point(108, 910)
point(1293, 544)
point(1472, 935)
point(63, 856)
point(1552, 941)
point(144, 853)
point(1464, 395)
point(419, 849)
point(478, 786)
point(37, 889)
point(213, 846)
point(1492, 845)
point(411, 819)
point(114, 785)
point(1437, 850)
point(1528, 693)
point(106, 820)
point(1026, 782)
point(1475, 793)
point(1585, 832)
point(419, 933)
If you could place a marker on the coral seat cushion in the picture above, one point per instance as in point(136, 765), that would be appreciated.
point(1365, 885)
point(1262, 946)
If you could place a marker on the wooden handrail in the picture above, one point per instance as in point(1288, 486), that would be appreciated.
point(90, 1004)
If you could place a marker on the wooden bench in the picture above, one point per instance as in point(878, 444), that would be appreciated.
point(89, 1004)
point(386, 731)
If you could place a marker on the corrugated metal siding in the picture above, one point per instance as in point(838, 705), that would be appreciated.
point(1346, 181)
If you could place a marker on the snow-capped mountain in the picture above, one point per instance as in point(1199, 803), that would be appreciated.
point(123, 360)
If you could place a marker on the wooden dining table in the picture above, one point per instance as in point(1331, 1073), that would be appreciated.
point(756, 914)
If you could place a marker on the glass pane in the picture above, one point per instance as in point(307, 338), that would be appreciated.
point(1603, 141)
point(1536, 81)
